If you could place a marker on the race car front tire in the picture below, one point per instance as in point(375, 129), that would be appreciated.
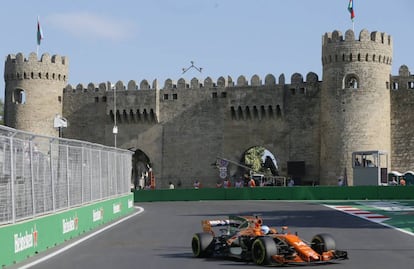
point(202, 244)
point(263, 248)
point(322, 243)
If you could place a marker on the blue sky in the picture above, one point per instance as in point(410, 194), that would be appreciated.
point(155, 39)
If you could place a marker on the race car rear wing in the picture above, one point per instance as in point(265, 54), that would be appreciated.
point(233, 223)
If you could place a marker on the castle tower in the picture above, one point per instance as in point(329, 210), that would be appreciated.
point(355, 99)
point(33, 92)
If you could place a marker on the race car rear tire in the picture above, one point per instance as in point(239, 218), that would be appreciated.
point(202, 245)
point(322, 243)
point(263, 248)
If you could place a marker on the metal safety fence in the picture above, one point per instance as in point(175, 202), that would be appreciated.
point(41, 175)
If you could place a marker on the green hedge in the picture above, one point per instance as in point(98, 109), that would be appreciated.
point(279, 193)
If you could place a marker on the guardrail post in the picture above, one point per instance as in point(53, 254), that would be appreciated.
point(67, 176)
point(12, 179)
point(52, 178)
point(32, 176)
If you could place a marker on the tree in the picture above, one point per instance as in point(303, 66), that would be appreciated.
point(253, 158)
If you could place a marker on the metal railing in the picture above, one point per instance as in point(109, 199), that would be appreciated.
point(41, 175)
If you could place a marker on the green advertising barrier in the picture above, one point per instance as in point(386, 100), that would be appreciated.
point(24, 239)
point(279, 193)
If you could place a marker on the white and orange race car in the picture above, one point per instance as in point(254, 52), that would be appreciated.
point(247, 239)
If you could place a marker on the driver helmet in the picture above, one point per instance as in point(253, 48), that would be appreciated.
point(265, 229)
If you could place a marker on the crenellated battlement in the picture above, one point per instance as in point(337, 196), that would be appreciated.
point(369, 47)
point(403, 82)
point(195, 83)
point(364, 36)
point(53, 67)
point(45, 58)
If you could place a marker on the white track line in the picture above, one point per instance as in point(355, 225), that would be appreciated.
point(341, 208)
point(363, 214)
point(53, 254)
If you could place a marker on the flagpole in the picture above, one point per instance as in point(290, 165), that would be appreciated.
point(352, 13)
point(37, 37)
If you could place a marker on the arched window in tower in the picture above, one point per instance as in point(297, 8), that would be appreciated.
point(270, 112)
point(19, 96)
point(131, 115)
point(240, 113)
point(248, 114)
point(278, 111)
point(145, 115)
point(233, 113)
point(152, 115)
point(138, 115)
point(263, 112)
point(351, 81)
point(111, 114)
point(255, 112)
point(395, 85)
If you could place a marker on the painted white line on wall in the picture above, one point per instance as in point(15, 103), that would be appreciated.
point(53, 254)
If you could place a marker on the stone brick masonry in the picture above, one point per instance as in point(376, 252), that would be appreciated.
point(180, 128)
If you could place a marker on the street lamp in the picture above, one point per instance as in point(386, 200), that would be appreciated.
point(59, 123)
point(115, 132)
point(115, 129)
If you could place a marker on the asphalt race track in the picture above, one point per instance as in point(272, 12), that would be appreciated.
point(160, 237)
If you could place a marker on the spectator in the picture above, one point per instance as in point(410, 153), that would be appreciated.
point(402, 181)
point(226, 183)
point(239, 183)
point(196, 184)
point(291, 182)
point(171, 186)
point(252, 183)
point(393, 182)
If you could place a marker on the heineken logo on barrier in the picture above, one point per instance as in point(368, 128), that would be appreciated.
point(70, 224)
point(130, 203)
point(116, 208)
point(97, 214)
point(25, 240)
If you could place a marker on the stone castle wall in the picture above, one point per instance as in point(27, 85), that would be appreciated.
point(184, 126)
point(402, 120)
